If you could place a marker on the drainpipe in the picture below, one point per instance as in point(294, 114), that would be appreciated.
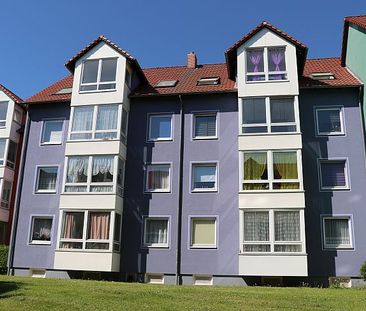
point(17, 197)
point(178, 277)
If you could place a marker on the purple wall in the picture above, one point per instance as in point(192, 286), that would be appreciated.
point(39, 256)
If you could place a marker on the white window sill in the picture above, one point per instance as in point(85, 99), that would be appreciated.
point(159, 140)
point(338, 248)
point(322, 134)
point(264, 254)
point(270, 134)
point(203, 247)
point(205, 138)
point(91, 140)
point(326, 189)
point(157, 246)
point(40, 243)
point(45, 192)
point(51, 143)
point(203, 190)
point(157, 191)
point(86, 193)
point(266, 81)
point(78, 250)
point(97, 91)
point(272, 191)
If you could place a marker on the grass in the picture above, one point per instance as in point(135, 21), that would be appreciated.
point(19, 293)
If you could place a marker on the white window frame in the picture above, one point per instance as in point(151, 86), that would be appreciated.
point(200, 164)
point(271, 179)
point(98, 82)
point(88, 184)
point(204, 114)
point(44, 124)
point(346, 174)
point(94, 131)
point(155, 245)
point(198, 217)
point(147, 169)
point(272, 241)
point(268, 124)
point(340, 109)
point(31, 227)
point(350, 230)
point(6, 116)
point(36, 190)
point(149, 120)
point(266, 71)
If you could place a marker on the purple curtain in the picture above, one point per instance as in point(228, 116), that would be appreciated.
point(255, 59)
point(276, 57)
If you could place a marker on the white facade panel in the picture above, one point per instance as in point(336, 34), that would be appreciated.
point(270, 200)
point(91, 201)
point(270, 142)
point(92, 147)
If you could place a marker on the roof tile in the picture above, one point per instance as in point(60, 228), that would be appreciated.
point(9, 93)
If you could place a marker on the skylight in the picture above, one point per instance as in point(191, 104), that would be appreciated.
point(322, 76)
point(67, 90)
point(209, 81)
point(167, 83)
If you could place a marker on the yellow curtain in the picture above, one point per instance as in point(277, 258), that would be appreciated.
point(255, 168)
point(285, 167)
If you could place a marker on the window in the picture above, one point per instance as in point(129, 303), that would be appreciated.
point(12, 152)
point(117, 233)
point(46, 179)
point(95, 237)
point(329, 121)
point(156, 232)
point(204, 177)
point(120, 177)
point(3, 113)
point(3, 232)
point(337, 233)
point(6, 192)
point(99, 74)
point(202, 280)
point(52, 132)
point(124, 126)
point(272, 231)
point(204, 126)
point(266, 64)
point(160, 127)
point(333, 174)
point(90, 174)
point(154, 278)
point(157, 178)
point(2, 150)
point(203, 232)
point(18, 116)
point(282, 174)
point(41, 230)
point(209, 81)
point(268, 115)
point(94, 122)
point(167, 83)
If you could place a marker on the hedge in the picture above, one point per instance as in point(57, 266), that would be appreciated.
point(3, 258)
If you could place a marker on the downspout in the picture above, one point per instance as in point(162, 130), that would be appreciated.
point(17, 198)
point(178, 277)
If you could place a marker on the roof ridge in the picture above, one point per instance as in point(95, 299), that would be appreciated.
point(182, 66)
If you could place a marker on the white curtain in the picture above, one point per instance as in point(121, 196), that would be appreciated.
point(287, 226)
point(158, 177)
point(107, 117)
point(103, 165)
point(42, 229)
point(156, 231)
point(77, 169)
point(82, 119)
point(47, 179)
point(256, 226)
point(337, 232)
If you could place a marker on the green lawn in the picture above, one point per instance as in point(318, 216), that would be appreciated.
point(18, 293)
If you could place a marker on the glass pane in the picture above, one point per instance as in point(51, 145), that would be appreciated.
point(203, 232)
point(101, 188)
point(92, 87)
point(52, 132)
point(276, 59)
point(73, 224)
point(285, 165)
point(117, 228)
point(255, 61)
point(47, 177)
point(106, 135)
point(3, 110)
point(205, 126)
point(41, 229)
point(277, 76)
point(77, 170)
point(256, 226)
point(262, 248)
point(256, 77)
point(283, 128)
point(76, 245)
point(80, 136)
point(107, 117)
point(97, 245)
point(90, 71)
point(337, 232)
point(75, 189)
point(82, 119)
point(160, 127)
point(287, 226)
point(254, 129)
point(286, 185)
point(11, 154)
point(255, 166)
point(109, 67)
point(333, 174)
point(282, 110)
point(288, 248)
point(329, 121)
point(2, 148)
point(254, 111)
point(260, 186)
point(107, 86)
point(204, 176)
point(5, 196)
point(98, 226)
point(103, 169)
point(158, 177)
point(124, 122)
point(156, 231)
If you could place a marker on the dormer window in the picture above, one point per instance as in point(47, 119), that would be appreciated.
point(266, 64)
point(99, 75)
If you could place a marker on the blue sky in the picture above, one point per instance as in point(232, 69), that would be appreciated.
point(38, 36)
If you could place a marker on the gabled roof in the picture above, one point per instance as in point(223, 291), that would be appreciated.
point(70, 64)
point(11, 95)
point(230, 54)
point(359, 21)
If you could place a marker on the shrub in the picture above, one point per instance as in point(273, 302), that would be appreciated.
point(3, 258)
point(363, 270)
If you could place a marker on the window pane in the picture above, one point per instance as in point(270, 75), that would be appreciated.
point(107, 117)
point(98, 226)
point(203, 232)
point(276, 59)
point(109, 67)
point(257, 248)
point(254, 111)
point(254, 129)
point(73, 225)
point(82, 119)
point(52, 132)
point(90, 71)
point(333, 174)
point(124, 122)
point(255, 61)
point(329, 121)
point(156, 231)
point(204, 176)
point(255, 166)
point(47, 177)
point(282, 110)
point(117, 228)
point(287, 226)
point(2, 150)
point(3, 112)
point(256, 226)
point(12, 152)
point(42, 229)
point(205, 126)
point(103, 168)
point(158, 177)
point(5, 196)
point(337, 232)
point(160, 127)
point(77, 170)
point(285, 165)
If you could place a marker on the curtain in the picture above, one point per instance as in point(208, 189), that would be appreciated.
point(98, 226)
point(282, 110)
point(103, 167)
point(75, 189)
point(337, 232)
point(205, 126)
point(275, 58)
point(77, 170)
point(287, 226)
point(256, 226)
point(156, 231)
point(256, 59)
point(47, 178)
point(42, 229)
point(82, 119)
point(158, 177)
point(285, 167)
point(107, 117)
point(333, 174)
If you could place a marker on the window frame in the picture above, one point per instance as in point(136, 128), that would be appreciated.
point(145, 245)
point(99, 73)
point(205, 114)
point(36, 184)
point(200, 164)
point(341, 119)
point(152, 115)
point(146, 169)
point(31, 227)
point(270, 174)
point(332, 247)
point(44, 122)
point(346, 174)
point(192, 218)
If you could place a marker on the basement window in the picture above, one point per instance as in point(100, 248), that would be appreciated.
point(322, 76)
point(209, 81)
point(167, 83)
point(67, 90)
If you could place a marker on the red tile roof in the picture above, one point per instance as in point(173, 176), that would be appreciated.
point(11, 95)
point(230, 53)
point(359, 20)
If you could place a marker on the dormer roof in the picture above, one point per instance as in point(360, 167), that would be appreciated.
point(10, 94)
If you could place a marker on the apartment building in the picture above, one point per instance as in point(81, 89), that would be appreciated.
point(245, 172)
